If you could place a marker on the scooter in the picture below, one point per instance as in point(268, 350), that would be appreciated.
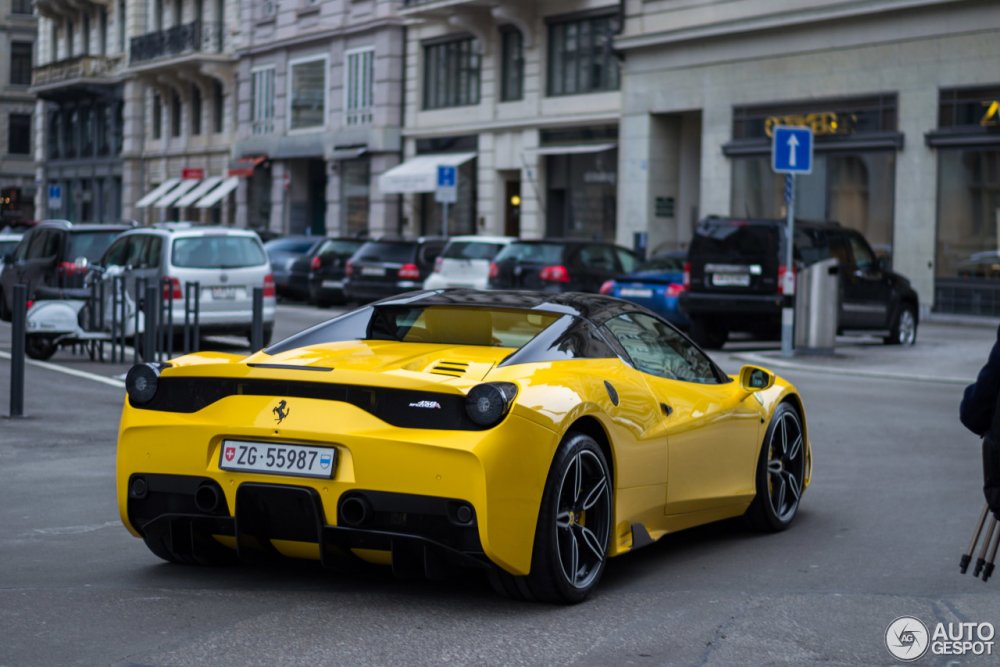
point(62, 316)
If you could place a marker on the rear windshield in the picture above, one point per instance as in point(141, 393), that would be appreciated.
point(90, 244)
point(387, 251)
point(546, 253)
point(217, 251)
point(663, 264)
point(471, 250)
point(295, 246)
point(734, 239)
point(338, 247)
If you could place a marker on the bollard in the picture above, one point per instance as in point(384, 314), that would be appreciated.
point(19, 316)
point(257, 325)
point(149, 338)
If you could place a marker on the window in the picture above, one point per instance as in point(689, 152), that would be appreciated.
point(218, 106)
point(157, 116)
point(511, 64)
point(86, 34)
point(20, 7)
point(70, 37)
point(359, 86)
point(195, 110)
point(263, 100)
point(268, 9)
point(102, 32)
point(54, 42)
point(307, 94)
point(55, 131)
point(451, 73)
point(20, 63)
point(87, 131)
point(658, 349)
point(175, 115)
point(581, 57)
point(19, 134)
point(120, 17)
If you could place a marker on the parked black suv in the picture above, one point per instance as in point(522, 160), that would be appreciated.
point(325, 269)
point(559, 265)
point(389, 266)
point(735, 269)
point(49, 257)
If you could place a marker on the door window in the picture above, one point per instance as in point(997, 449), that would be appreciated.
point(627, 260)
point(864, 258)
point(598, 258)
point(43, 245)
point(115, 256)
point(151, 253)
point(656, 348)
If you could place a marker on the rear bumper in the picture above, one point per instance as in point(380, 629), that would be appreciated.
point(731, 305)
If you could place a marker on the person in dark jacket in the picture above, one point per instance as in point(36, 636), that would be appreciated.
point(980, 399)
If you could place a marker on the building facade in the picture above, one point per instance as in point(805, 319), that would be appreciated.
point(904, 101)
point(524, 99)
point(319, 113)
point(17, 167)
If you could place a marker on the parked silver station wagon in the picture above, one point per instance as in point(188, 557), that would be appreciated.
point(227, 263)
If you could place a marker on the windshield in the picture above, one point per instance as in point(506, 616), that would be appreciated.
point(398, 252)
point(471, 250)
point(292, 246)
point(546, 253)
point(338, 247)
point(90, 244)
point(217, 251)
point(663, 265)
point(734, 239)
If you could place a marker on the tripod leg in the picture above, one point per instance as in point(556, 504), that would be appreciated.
point(988, 570)
point(981, 561)
point(967, 556)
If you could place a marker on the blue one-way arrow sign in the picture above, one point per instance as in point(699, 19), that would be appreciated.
point(791, 149)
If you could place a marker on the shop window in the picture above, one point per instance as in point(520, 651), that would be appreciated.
point(511, 64)
point(581, 200)
point(20, 63)
point(581, 55)
point(451, 73)
point(307, 94)
point(19, 134)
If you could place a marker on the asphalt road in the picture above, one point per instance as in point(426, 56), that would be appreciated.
point(894, 495)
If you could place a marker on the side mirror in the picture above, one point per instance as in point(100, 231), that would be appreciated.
point(755, 379)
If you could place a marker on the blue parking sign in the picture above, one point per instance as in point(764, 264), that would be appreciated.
point(791, 150)
point(447, 175)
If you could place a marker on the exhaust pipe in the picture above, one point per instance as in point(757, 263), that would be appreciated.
point(355, 510)
point(206, 498)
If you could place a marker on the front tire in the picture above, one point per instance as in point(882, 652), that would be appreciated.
point(574, 523)
point(781, 469)
point(904, 326)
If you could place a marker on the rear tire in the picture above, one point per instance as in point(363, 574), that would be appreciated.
point(706, 334)
point(40, 347)
point(781, 468)
point(904, 326)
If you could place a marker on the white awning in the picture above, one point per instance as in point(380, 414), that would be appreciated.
point(197, 193)
point(216, 195)
point(419, 174)
point(168, 199)
point(157, 192)
point(572, 150)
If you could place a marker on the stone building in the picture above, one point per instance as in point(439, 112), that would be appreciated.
point(17, 168)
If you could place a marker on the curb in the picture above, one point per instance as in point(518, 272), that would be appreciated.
point(832, 370)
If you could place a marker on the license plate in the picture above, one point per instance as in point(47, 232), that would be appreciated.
point(636, 292)
point(223, 293)
point(274, 458)
point(731, 279)
point(373, 270)
point(332, 284)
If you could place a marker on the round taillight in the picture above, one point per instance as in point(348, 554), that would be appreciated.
point(141, 383)
point(486, 404)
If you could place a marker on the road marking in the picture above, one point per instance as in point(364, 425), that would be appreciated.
point(765, 361)
point(70, 371)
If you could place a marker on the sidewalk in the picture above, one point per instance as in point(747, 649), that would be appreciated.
point(948, 352)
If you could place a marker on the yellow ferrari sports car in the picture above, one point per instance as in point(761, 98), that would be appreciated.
point(532, 435)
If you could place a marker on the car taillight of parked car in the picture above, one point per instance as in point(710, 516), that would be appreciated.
point(315, 263)
point(554, 274)
point(70, 269)
point(349, 269)
point(607, 287)
point(687, 274)
point(437, 264)
point(674, 290)
point(409, 272)
point(494, 270)
point(782, 271)
point(172, 288)
point(269, 289)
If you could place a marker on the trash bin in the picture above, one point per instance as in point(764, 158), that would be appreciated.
point(817, 296)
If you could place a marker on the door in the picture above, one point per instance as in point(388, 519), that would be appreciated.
point(512, 209)
point(712, 430)
point(865, 296)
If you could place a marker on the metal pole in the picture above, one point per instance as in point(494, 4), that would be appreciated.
point(444, 227)
point(992, 558)
point(20, 315)
point(150, 334)
point(967, 556)
point(788, 287)
point(257, 325)
point(981, 561)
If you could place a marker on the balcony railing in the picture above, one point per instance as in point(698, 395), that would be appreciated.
point(194, 37)
point(78, 67)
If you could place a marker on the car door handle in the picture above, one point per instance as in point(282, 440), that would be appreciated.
point(666, 409)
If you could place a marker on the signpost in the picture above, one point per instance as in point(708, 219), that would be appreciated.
point(791, 154)
point(447, 190)
point(55, 197)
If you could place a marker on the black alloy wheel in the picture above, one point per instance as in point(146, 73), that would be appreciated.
point(781, 470)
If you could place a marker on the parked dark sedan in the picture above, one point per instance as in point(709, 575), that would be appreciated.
point(390, 266)
point(657, 284)
point(562, 265)
point(325, 269)
point(283, 252)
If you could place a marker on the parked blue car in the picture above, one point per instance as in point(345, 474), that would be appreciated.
point(657, 284)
